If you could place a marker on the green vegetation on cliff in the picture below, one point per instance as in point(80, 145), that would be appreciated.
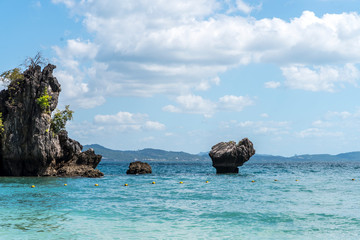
point(44, 101)
point(11, 75)
point(60, 118)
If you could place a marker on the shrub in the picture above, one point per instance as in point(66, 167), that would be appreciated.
point(44, 101)
point(11, 76)
point(58, 121)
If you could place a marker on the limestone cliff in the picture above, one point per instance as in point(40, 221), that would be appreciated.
point(28, 146)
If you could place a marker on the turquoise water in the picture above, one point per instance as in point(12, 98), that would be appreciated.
point(323, 204)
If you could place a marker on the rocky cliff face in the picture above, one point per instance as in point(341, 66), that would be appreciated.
point(28, 146)
point(228, 156)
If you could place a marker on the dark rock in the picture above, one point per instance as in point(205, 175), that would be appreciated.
point(138, 167)
point(228, 156)
point(28, 147)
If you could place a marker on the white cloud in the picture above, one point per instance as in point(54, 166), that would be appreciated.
point(197, 105)
point(123, 121)
point(348, 121)
point(68, 3)
point(260, 127)
point(335, 124)
point(342, 115)
point(142, 48)
point(244, 7)
point(319, 78)
point(206, 84)
point(234, 103)
point(272, 84)
point(171, 108)
point(322, 124)
point(192, 104)
point(151, 125)
point(317, 132)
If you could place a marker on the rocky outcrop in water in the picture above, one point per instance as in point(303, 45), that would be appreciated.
point(28, 146)
point(228, 156)
point(138, 167)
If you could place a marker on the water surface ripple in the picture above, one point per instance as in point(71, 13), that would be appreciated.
point(308, 201)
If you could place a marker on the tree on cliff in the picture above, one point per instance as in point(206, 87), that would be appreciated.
point(15, 74)
point(38, 60)
point(59, 119)
point(11, 75)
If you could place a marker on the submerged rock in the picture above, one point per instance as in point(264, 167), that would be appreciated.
point(28, 146)
point(138, 167)
point(228, 156)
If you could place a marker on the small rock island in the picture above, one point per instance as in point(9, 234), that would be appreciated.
point(29, 143)
point(139, 167)
point(228, 156)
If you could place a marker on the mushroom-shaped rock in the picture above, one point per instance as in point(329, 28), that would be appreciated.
point(228, 156)
point(138, 167)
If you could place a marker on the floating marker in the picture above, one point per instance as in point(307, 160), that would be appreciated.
point(353, 179)
point(32, 186)
point(126, 185)
point(207, 182)
point(65, 184)
point(181, 182)
point(153, 183)
point(96, 185)
point(296, 180)
point(275, 180)
point(253, 181)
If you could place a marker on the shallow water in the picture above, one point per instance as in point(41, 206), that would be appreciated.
point(322, 204)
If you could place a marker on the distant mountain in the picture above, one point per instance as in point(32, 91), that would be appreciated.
point(157, 154)
point(145, 154)
point(343, 157)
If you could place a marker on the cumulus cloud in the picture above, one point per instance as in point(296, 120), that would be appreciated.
point(192, 104)
point(319, 78)
point(123, 121)
point(198, 105)
point(142, 48)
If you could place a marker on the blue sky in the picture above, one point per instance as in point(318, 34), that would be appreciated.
point(184, 75)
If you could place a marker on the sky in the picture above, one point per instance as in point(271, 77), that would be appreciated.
point(185, 75)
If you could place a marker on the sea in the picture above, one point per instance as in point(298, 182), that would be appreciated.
point(187, 200)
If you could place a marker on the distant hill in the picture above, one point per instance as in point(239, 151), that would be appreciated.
point(145, 154)
point(157, 154)
point(343, 157)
